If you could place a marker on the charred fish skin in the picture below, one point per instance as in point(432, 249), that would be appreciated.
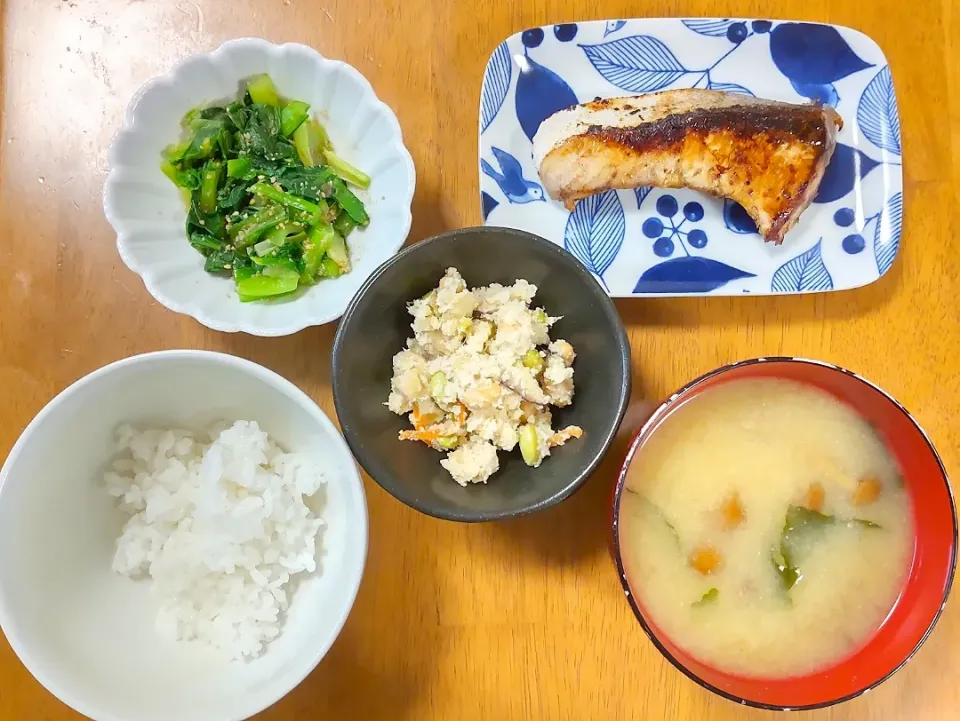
point(768, 156)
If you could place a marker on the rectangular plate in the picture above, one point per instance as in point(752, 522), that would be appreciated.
point(654, 242)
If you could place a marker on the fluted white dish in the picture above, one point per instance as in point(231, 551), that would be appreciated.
point(148, 214)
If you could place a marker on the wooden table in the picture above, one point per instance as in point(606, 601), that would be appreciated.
point(519, 620)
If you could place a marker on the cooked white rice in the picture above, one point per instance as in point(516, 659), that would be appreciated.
point(218, 522)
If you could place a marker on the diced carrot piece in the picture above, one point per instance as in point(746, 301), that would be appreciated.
point(814, 497)
point(867, 491)
point(462, 415)
point(561, 437)
point(425, 436)
point(733, 512)
point(705, 559)
point(421, 420)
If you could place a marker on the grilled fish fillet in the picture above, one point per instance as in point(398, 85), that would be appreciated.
point(766, 155)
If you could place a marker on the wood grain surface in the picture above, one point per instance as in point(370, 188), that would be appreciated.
point(519, 620)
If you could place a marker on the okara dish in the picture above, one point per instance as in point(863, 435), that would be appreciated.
point(268, 200)
point(766, 528)
point(480, 374)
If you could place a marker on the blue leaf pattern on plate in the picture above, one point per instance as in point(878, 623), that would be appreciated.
point(689, 274)
point(595, 231)
point(639, 63)
point(812, 54)
point(488, 203)
point(540, 93)
point(886, 236)
point(877, 114)
point(841, 174)
point(641, 193)
point(730, 88)
point(496, 83)
point(709, 26)
point(804, 273)
point(612, 26)
point(826, 93)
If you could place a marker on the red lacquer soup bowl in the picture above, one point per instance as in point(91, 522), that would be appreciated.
point(931, 571)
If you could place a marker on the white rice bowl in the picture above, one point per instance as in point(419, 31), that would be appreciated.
point(90, 634)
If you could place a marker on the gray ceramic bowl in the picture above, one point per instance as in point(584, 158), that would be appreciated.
point(376, 325)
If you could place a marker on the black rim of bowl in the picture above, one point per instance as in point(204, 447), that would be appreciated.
point(621, 572)
point(623, 344)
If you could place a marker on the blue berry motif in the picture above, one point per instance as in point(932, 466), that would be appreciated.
point(652, 227)
point(667, 232)
point(697, 238)
point(532, 38)
point(844, 217)
point(693, 212)
point(663, 247)
point(566, 32)
point(667, 206)
point(761, 26)
point(737, 33)
point(853, 244)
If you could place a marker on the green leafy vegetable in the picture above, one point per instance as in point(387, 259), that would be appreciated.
point(204, 242)
point(314, 183)
point(239, 168)
point(799, 526)
point(654, 510)
point(708, 597)
point(219, 261)
point(268, 200)
point(349, 202)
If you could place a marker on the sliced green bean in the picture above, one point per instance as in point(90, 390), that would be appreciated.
point(248, 231)
point(292, 116)
point(344, 224)
point(349, 202)
point(312, 211)
point(262, 90)
point(260, 286)
point(315, 250)
point(209, 185)
point(346, 171)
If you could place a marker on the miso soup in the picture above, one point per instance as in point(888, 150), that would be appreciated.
point(764, 528)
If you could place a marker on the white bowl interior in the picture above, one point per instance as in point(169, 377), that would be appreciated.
point(87, 633)
point(148, 214)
